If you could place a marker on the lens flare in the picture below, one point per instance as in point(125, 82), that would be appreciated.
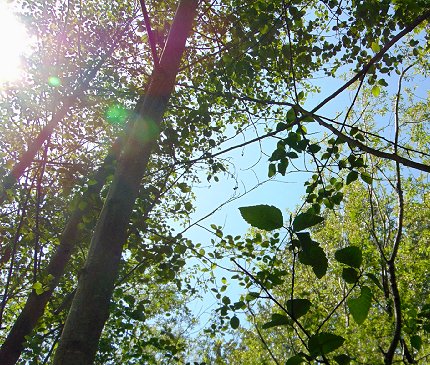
point(54, 81)
point(116, 114)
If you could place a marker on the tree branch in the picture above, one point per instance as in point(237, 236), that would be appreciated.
point(353, 142)
point(263, 341)
point(375, 59)
point(150, 34)
point(27, 157)
point(391, 262)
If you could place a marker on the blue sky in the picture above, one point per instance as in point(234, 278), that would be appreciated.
point(250, 166)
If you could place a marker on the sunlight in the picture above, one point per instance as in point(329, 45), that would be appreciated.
point(13, 41)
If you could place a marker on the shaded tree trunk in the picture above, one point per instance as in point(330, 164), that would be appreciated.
point(34, 307)
point(90, 307)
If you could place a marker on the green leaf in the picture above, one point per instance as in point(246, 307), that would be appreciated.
point(416, 342)
point(184, 187)
point(277, 320)
point(306, 220)
point(291, 115)
point(350, 275)
point(295, 360)
point(226, 300)
point(313, 255)
point(375, 280)
point(278, 154)
point(282, 166)
point(314, 148)
point(280, 127)
point(272, 170)
point(375, 47)
point(265, 217)
point(188, 206)
point(376, 90)
point(234, 322)
point(298, 307)
point(366, 178)
point(137, 315)
point(323, 343)
point(291, 154)
point(337, 198)
point(38, 287)
point(352, 176)
point(359, 307)
point(351, 256)
point(252, 296)
point(342, 359)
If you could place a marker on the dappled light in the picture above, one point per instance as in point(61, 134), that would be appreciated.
point(226, 182)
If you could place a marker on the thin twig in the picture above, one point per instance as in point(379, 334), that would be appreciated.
point(375, 59)
point(263, 341)
point(272, 298)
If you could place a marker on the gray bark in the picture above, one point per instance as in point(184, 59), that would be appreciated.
point(90, 307)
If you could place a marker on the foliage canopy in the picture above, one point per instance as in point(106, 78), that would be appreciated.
point(341, 279)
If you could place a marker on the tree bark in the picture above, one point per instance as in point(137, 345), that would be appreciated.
point(34, 307)
point(90, 307)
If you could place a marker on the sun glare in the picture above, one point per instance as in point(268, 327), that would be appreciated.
point(13, 42)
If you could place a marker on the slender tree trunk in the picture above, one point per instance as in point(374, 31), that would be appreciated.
point(90, 306)
point(34, 307)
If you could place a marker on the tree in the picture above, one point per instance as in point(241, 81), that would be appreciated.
point(247, 65)
point(90, 306)
point(363, 256)
point(339, 301)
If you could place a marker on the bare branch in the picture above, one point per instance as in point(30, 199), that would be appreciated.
point(150, 34)
point(263, 341)
point(353, 142)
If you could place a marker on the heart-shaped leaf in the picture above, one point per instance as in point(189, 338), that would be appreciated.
point(298, 307)
point(351, 256)
point(359, 307)
point(306, 220)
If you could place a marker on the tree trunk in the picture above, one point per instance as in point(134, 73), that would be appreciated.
point(90, 306)
point(34, 307)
